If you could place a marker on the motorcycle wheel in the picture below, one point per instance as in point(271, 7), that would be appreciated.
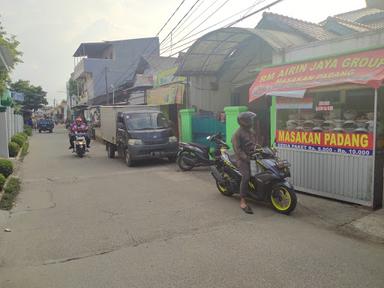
point(180, 162)
point(223, 189)
point(283, 199)
point(80, 153)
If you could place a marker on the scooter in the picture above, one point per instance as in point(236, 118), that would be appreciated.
point(192, 155)
point(80, 144)
point(268, 181)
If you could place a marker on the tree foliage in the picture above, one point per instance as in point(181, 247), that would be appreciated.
point(10, 43)
point(34, 96)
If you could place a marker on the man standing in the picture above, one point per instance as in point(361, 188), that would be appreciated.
point(244, 142)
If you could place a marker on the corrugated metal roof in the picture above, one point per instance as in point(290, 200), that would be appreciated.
point(355, 16)
point(159, 63)
point(355, 26)
point(308, 29)
point(208, 53)
point(377, 25)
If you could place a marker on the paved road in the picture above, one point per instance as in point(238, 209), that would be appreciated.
point(93, 222)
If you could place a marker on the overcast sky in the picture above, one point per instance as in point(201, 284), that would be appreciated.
point(51, 30)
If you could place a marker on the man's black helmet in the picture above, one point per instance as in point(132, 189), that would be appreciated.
point(245, 119)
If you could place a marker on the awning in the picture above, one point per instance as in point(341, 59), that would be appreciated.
point(210, 52)
point(365, 68)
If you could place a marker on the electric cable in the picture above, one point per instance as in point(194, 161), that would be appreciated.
point(189, 11)
point(255, 12)
point(209, 16)
point(165, 49)
point(169, 19)
point(194, 19)
point(185, 20)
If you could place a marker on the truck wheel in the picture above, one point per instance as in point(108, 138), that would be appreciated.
point(128, 158)
point(110, 151)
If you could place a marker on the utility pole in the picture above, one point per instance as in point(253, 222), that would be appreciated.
point(106, 84)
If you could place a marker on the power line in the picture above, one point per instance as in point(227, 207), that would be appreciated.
point(173, 29)
point(186, 19)
point(149, 44)
point(233, 23)
point(165, 49)
point(210, 15)
point(169, 19)
point(194, 19)
point(253, 13)
point(182, 45)
point(257, 2)
point(189, 11)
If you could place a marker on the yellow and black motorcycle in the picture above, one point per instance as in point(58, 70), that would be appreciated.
point(268, 181)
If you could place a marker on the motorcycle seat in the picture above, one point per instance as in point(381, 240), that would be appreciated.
point(201, 146)
point(233, 159)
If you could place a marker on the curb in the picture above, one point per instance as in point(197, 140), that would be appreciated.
point(351, 230)
point(370, 227)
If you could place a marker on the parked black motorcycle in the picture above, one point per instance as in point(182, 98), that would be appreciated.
point(192, 155)
point(268, 177)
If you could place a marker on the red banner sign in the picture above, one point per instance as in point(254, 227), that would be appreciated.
point(365, 68)
point(345, 143)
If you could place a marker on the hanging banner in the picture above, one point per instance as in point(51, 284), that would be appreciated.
point(167, 76)
point(344, 143)
point(171, 94)
point(365, 68)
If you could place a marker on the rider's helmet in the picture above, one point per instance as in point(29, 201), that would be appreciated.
point(245, 119)
point(79, 120)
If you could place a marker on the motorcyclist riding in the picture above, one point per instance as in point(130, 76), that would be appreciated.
point(78, 126)
point(244, 141)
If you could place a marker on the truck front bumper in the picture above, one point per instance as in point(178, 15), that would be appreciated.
point(141, 152)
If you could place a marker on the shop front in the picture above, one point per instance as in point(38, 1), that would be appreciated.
point(327, 119)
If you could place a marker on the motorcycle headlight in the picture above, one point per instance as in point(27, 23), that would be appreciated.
point(135, 142)
point(172, 139)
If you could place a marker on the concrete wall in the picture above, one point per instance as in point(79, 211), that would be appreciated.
point(203, 95)
point(10, 124)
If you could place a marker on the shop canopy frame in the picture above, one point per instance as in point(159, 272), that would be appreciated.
point(209, 53)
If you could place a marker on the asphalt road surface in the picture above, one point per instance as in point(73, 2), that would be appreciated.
point(94, 222)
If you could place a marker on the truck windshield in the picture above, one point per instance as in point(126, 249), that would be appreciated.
point(146, 121)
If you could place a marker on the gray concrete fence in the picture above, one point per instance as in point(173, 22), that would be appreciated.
point(10, 124)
